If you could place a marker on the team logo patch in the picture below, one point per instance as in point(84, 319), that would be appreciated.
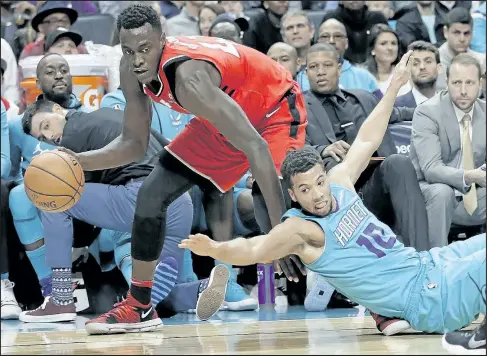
point(117, 107)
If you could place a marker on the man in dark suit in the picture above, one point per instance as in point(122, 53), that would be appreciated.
point(358, 20)
point(424, 74)
point(391, 190)
point(423, 22)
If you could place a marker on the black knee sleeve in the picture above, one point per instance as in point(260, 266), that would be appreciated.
point(149, 225)
point(158, 191)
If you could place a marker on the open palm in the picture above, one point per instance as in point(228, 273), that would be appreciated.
point(199, 244)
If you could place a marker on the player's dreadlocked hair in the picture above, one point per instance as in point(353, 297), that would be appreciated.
point(136, 16)
point(299, 161)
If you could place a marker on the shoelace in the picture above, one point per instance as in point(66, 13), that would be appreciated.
point(44, 303)
point(9, 284)
point(6, 297)
point(118, 309)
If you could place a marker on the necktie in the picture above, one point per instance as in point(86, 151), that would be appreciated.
point(469, 199)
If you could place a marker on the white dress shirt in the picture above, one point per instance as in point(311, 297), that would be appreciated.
point(419, 98)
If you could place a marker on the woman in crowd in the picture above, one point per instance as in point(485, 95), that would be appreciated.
point(382, 56)
point(207, 15)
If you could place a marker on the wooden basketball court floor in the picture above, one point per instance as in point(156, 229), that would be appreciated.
point(284, 330)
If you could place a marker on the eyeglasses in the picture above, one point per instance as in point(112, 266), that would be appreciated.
point(60, 22)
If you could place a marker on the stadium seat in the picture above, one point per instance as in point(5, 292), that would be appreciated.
point(97, 28)
point(401, 134)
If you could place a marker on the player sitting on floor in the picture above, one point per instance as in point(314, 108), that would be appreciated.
point(338, 238)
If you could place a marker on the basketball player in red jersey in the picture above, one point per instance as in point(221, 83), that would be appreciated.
point(248, 113)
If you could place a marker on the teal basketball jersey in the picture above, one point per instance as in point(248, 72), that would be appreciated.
point(362, 257)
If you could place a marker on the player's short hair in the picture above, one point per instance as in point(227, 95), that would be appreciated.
point(324, 47)
point(459, 15)
point(38, 106)
point(425, 46)
point(464, 59)
point(299, 161)
point(136, 16)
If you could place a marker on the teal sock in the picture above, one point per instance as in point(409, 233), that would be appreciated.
point(233, 271)
point(5, 275)
point(38, 260)
point(186, 274)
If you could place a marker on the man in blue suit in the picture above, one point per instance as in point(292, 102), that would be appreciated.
point(424, 74)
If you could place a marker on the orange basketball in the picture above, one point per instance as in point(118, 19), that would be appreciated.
point(54, 181)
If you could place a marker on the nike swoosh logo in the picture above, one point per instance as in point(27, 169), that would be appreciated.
point(474, 344)
point(272, 113)
point(146, 313)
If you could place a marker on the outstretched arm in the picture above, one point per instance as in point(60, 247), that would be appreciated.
point(284, 239)
point(132, 143)
point(372, 131)
point(198, 91)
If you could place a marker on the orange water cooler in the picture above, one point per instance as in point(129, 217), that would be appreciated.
point(89, 78)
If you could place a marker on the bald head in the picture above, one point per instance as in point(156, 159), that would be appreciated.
point(286, 55)
point(334, 33)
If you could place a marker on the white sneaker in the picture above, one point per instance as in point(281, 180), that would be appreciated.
point(10, 307)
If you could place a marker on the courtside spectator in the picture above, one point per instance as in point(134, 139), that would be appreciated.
point(50, 16)
point(265, 27)
point(385, 8)
point(448, 149)
point(298, 31)
point(63, 41)
point(233, 7)
point(458, 32)
point(421, 23)
point(333, 32)
point(186, 22)
point(445, 7)
point(170, 9)
point(424, 74)
point(207, 15)
point(383, 54)
point(358, 20)
point(229, 28)
point(10, 86)
point(335, 115)
point(287, 56)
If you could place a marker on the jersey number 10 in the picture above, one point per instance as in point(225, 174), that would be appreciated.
point(374, 233)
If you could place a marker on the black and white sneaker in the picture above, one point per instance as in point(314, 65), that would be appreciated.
point(471, 342)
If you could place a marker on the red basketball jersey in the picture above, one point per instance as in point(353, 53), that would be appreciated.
point(256, 82)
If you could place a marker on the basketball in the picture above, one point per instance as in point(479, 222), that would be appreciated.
point(54, 181)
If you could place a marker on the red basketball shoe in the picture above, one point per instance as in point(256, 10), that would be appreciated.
point(127, 316)
point(390, 326)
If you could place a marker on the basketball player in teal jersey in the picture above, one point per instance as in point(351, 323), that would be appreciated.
point(338, 238)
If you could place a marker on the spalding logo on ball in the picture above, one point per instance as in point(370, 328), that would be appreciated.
point(54, 181)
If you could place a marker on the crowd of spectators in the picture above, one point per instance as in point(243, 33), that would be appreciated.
point(341, 53)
